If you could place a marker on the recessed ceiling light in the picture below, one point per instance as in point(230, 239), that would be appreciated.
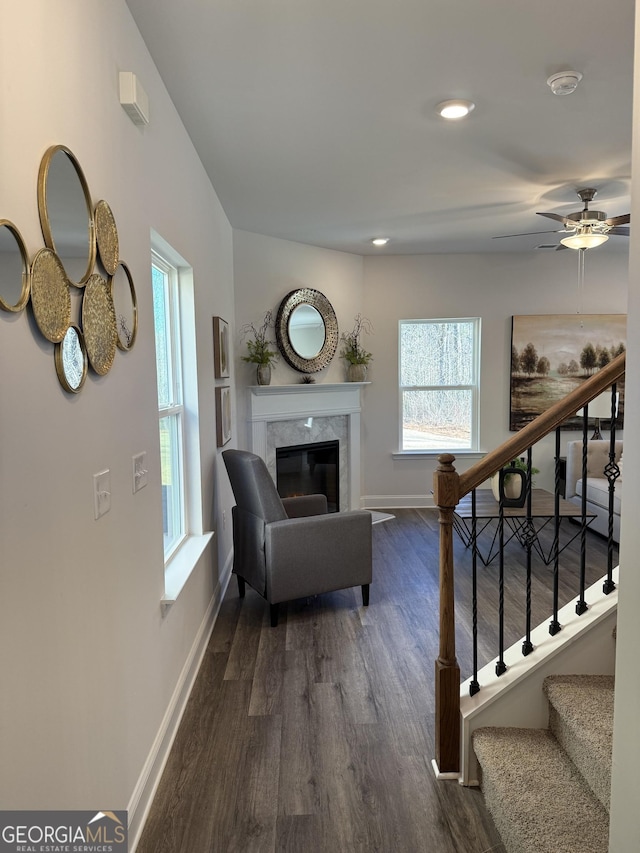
point(454, 109)
point(380, 241)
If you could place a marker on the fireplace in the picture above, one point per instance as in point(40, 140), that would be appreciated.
point(310, 469)
point(289, 415)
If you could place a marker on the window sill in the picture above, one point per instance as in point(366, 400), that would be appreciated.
point(433, 454)
point(180, 566)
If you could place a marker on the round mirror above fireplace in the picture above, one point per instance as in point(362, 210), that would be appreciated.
point(306, 330)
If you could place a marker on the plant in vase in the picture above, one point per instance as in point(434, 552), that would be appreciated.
point(260, 349)
point(353, 352)
point(512, 483)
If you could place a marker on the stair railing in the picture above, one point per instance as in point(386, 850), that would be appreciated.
point(449, 488)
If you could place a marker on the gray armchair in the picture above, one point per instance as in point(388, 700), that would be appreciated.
point(292, 548)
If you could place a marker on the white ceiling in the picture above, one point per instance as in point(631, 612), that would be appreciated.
point(315, 118)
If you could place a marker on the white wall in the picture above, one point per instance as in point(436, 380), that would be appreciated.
point(493, 287)
point(265, 271)
point(89, 664)
point(625, 782)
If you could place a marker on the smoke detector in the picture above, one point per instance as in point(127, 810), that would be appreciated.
point(565, 82)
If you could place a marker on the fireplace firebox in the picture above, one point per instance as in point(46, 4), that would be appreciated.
point(309, 469)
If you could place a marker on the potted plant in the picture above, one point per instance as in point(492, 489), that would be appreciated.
point(260, 349)
point(512, 483)
point(353, 352)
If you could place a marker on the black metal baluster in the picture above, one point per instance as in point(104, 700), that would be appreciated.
point(474, 686)
point(527, 645)
point(501, 665)
point(581, 604)
point(612, 472)
point(554, 625)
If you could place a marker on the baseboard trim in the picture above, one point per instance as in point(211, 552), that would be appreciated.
point(147, 784)
point(442, 776)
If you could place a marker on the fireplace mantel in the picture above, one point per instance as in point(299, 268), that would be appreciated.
point(269, 404)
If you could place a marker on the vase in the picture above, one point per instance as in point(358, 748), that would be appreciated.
point(514, 489)
point(264, 374)
point(357, 373)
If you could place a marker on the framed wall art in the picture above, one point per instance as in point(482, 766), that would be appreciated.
point(221, 348)
point(223, 414)
point(551, 354)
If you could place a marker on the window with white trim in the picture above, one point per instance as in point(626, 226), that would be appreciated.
point(439, 384)
point(171, 412)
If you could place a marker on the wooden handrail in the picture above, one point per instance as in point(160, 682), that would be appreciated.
point(448, 488)
point(542, 425)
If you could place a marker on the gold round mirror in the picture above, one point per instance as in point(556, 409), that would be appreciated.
point(71, 360)
point(15, 276)
point(66, 213)
point(125, 305)
point(306, 330)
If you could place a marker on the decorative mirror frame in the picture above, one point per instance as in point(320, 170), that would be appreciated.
point(134, 308)
point(43, 212)
point(80, 354)
point(25, 289)
point(308, 296)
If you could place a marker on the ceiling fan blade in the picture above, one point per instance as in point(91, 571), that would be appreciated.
point(527, 234)
point(555, 216)
point(621, 230)
point(619, 220)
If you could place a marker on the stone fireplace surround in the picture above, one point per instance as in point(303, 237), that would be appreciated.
point(284, 415)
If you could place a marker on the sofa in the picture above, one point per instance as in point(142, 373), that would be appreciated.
point(597, 484)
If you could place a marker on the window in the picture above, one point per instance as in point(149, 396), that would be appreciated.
point(439, 384)
point(166, 317)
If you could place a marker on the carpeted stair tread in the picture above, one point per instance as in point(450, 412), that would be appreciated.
point(581, 719)
point(538, 800)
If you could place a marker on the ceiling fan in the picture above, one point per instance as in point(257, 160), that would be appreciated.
point(586, 228)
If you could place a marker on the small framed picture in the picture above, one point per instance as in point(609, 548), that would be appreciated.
point(223, 414)
point(221, 348)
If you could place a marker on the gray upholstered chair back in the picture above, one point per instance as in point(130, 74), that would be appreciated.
point(253, 487)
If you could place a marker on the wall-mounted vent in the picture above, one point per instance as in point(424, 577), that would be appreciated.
point(134, 98)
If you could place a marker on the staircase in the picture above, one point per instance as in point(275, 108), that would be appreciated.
point(548, 789)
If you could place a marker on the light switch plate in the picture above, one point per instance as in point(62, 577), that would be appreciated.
point(101, 493)
point(140, 472)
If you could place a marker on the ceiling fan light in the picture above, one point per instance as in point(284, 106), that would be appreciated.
point(454, 109)
point(584, 241)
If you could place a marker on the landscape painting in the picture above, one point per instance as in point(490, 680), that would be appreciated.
point(551, 354)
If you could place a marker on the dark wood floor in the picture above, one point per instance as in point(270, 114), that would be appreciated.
point(317, 736)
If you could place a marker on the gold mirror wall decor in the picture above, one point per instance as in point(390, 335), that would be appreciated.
point(74, 234)
point(66, 213)
point(107, 237)
point(99, 324)
point(50, 297)
point(71, 360)
point(307, 330)
point(125, 304)
point(15, 275)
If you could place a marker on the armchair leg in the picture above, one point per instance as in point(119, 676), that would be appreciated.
point(365, 594)
point(274, 615)
point(241, 586)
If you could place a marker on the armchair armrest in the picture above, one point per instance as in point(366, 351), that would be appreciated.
point(305, 505)
point(308, 556)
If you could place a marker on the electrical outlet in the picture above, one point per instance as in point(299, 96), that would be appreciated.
point(140, 472)
point(224, 519)
point(101, 493)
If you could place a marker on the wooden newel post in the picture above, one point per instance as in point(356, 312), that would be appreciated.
point(446, 488)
